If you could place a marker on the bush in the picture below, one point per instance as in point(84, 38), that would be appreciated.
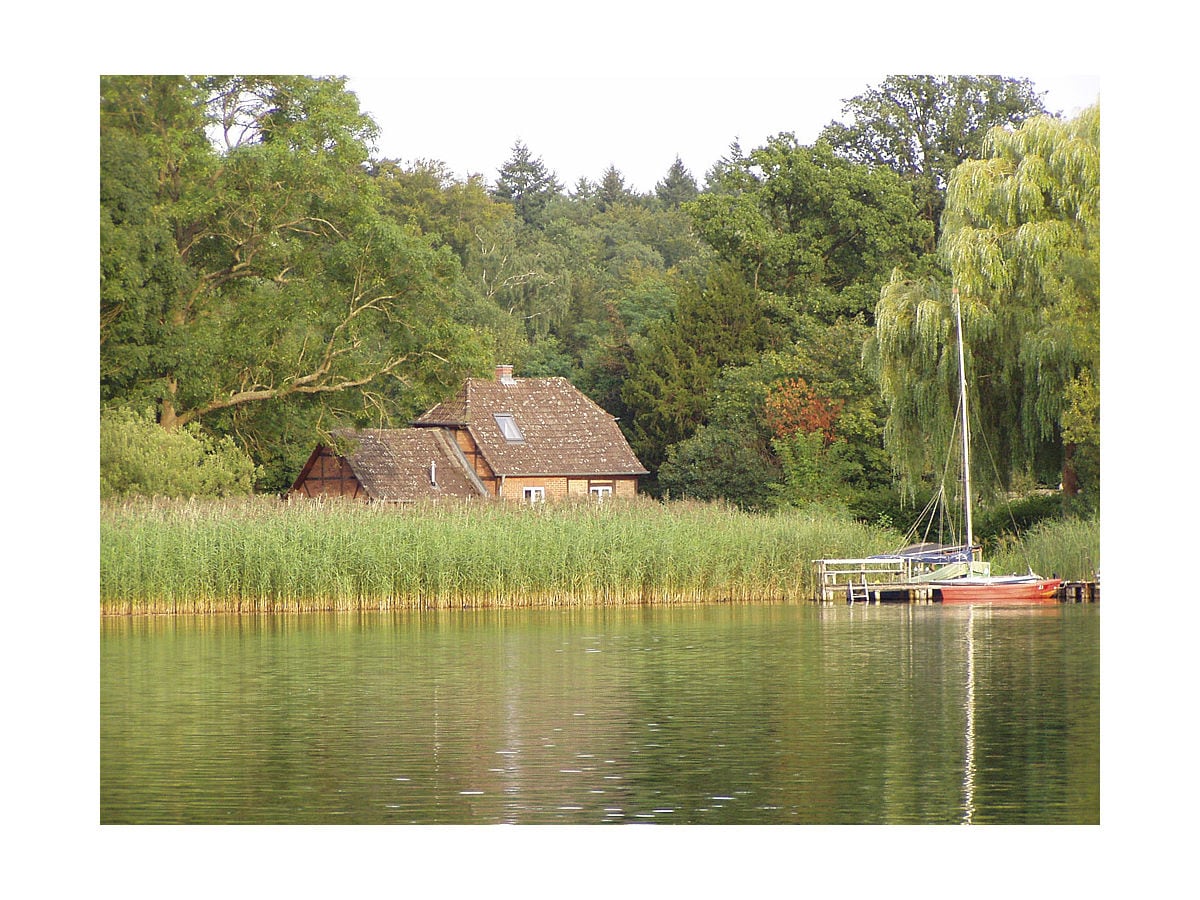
point(1017, 516)
point(138, 457)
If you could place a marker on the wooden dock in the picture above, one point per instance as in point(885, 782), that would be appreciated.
point(1079, 592)
point(874, 580)
point(892, 580)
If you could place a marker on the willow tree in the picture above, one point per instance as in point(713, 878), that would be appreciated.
point(1021, 240)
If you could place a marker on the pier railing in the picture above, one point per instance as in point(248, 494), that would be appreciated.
point(864, 579)
point(844, 577)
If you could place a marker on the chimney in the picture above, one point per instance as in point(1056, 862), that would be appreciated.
point(504, 375)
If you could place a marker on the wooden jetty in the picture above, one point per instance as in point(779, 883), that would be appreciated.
point(1079, 592)
point(890, 579)
point(874, 580)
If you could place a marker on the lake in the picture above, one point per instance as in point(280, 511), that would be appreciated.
point(709, 714)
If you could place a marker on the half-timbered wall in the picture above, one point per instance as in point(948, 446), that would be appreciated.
point(330, 476)
point(475, 459)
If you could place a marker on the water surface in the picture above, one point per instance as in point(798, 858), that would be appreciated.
point(726, 714)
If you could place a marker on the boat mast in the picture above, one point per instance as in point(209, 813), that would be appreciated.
point(966, 436)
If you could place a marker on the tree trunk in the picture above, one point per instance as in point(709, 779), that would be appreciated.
point(1070, 480)
point(167, 416)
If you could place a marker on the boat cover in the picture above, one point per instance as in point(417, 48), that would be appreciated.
point(934, 554)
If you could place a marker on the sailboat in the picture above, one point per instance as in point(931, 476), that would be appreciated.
point(976, 584)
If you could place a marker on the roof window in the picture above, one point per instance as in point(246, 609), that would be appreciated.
point(508, 427)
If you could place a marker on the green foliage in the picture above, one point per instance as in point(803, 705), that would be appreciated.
point(260, 269)
point(261, 274)
point(718, 463)
point(612, 190)
point(674, 367)
point(923, 126)
point(814, 471)
point(546, 358)
point(1017, 516)
point(801, 222)
point(677, 187)
point(137, 457)
point(1021, 239)
point(1081, 433)
point(458, 214)
point(1069, 548)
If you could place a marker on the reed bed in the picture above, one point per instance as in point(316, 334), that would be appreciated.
point(265, 555)
point(1069, 548)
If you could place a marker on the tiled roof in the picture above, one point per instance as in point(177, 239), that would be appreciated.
point(395, 464)
point(564, 432)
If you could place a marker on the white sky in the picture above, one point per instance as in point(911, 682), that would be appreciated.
point(581, 125)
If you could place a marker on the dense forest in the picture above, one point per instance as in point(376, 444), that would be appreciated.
point(776, 332)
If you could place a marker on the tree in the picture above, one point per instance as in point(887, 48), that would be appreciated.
point(812, 471)
point(526, 183)
point(425, 193)
point(803, 223)
point(792, 406)
point(923, 126)
point(718, 463)
point(1021, 241)
point(611, 190)
point(260, 270)
point(675, 365)
point(677, 187)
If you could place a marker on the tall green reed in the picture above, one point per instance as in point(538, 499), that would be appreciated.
point(1069, 548)
point(262, 554)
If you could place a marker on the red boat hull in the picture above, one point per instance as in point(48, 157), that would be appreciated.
point(1042, 590)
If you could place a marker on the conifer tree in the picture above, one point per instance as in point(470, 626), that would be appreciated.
point(526, 183)
point(677, 187)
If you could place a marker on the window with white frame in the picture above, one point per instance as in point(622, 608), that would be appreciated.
point(534, 494)
point(600, 492)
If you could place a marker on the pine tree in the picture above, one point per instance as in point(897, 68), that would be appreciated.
point(527, 184)
point(612, 190)
point(677, 187)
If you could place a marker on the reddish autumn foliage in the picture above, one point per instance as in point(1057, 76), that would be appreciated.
point(793, 406)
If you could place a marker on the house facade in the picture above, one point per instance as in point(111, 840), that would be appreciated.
point(520, 439)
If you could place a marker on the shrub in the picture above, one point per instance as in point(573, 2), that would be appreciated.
point(1017, 516)
point(138, 457)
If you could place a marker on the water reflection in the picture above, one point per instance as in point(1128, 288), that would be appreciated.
point(969, 762)
point(717, 714)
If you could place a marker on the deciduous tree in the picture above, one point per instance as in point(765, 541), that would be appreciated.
point(923, 126)
point(245, 260)
point(803, 223)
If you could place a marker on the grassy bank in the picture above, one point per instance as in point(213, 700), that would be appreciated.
point(263, 555)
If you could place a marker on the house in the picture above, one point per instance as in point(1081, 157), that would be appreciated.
point(388, 465)
point(525, 439)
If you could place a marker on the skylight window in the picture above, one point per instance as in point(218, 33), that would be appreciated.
point(508, 427)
